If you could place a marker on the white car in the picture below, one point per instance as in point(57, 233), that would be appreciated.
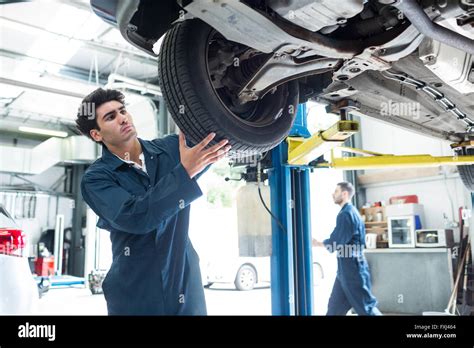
point(246, 272)
point(18, 289)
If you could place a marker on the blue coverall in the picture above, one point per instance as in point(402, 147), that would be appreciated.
point(155, 269)
point(352, 287)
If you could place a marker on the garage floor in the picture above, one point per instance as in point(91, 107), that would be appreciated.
point(222, 299)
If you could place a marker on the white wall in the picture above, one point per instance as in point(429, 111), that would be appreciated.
point(323, 210)
point(381, 137)
point(438, 195)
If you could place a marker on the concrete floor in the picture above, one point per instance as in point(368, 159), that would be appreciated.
point(221, 299)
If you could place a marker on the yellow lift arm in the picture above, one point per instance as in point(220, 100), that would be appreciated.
point(301, 151)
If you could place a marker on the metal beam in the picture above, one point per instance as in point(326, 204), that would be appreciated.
point(291, 261)
point(12, 118)
point(70, 71)
point(282, 276)
point(360, 197)
point(96, 45)
point(35, 185)
point(116, 81)
point(392, 161)
point(77, 252)
point(302, 238)
point(361, 152)
point(36, 87)
point(302, 151)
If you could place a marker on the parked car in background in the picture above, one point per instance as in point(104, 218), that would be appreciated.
point(18, 290)
point(247, 272)
point(244, 272)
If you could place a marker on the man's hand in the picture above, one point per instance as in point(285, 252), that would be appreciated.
point(317, 243)
point(195, 159)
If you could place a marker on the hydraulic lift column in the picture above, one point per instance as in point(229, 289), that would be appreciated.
point(291, 261)
point(292, 277)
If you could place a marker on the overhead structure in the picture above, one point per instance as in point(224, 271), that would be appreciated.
point(303, 151)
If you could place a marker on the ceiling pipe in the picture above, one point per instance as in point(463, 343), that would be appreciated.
point(116, 81)
point(418, 17)
point(100, 46)
point(37, 87)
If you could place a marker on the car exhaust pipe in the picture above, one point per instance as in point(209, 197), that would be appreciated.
point(413, 11)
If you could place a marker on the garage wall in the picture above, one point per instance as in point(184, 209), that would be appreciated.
point(382, 137)
point(442, 194)
point(323, 210)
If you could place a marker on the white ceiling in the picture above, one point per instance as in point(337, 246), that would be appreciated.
point(57, 45)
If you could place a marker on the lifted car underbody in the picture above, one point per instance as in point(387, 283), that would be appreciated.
point(404, 62)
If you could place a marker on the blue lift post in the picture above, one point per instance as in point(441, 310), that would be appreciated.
point(291, 261)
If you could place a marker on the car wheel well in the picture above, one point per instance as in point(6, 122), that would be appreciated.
point(154, 18)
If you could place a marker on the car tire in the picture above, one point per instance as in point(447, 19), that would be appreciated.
point(208, 285)
point(318, 273)
point(466, 172)
point(198, 108)
point(246, 278)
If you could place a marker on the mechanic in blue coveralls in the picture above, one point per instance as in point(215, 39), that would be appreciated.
point(352, 287)
point(141, 190)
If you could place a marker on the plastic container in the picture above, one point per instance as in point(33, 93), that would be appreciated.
point(44, 266)
point(12, 241)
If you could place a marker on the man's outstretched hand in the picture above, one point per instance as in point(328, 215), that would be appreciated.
point(195, 159)
point(317, 243)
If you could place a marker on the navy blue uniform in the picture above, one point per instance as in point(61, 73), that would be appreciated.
point(155, 269)
point(352, 287)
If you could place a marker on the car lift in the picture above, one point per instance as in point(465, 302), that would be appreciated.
point(292, 161)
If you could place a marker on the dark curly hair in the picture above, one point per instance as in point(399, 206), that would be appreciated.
point(86, 115)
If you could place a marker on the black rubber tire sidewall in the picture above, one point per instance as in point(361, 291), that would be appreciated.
point(185, 82)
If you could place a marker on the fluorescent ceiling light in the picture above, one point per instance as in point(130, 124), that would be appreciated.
point(42, 131)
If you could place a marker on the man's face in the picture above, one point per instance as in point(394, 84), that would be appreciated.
point(338, 195)
point(115, 123)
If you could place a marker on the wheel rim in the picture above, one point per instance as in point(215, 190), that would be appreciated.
point(246, 278)
point(253, 113)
